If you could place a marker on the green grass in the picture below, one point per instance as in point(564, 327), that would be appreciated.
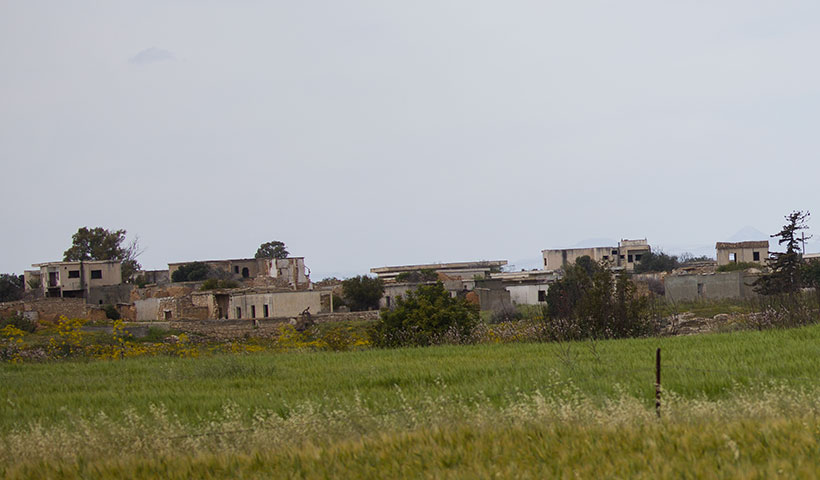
point(460, 411)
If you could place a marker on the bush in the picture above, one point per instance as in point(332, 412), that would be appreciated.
point(735, 266)
point(590, 302)
point(191, 272)
point(213, 284)
point(657, 262)
point(19, 321)
point(423, 317)
point(111, 312)
point(362, 292)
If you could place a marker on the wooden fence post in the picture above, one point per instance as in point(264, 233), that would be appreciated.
point(658, 382)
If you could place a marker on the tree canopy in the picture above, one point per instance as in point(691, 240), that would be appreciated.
point(101, 244)
point(192, 272)
point(589, 301)
point(362, 292)
point(424, 315)
point(273, 249)
point(786, 276)
point(11, 287)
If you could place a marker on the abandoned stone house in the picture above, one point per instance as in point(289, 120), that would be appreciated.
point(742, 252)
point(527, 287)
point(290, 272)
point(626, 255)
point(445, 271)
point(74, 279)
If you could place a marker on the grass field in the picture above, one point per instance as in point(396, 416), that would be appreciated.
point(739, 404)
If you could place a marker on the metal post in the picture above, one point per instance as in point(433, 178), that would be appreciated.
point(658, 382)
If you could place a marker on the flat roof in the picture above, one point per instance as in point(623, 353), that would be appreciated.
point(440, 266)
point(751, 244)
point(84, 262)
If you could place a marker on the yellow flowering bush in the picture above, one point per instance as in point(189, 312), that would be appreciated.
point(12, 343)
point(69, 337)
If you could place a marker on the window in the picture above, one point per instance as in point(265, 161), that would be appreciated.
point(387, 300)
point(700, 289)
point(96, 274)
point(629, 258)
point(622, 257)
point(266, 311)
point(235, 269)
point(606, 257)
point(638, 258)
point(73, 274)
point(756, 256)
point(253, 311)
point(238, 312)
point(732, 257)
point(614, 252)
point(542, 295)
point(246, 273)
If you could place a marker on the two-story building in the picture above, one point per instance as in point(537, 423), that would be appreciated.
point(77, 279)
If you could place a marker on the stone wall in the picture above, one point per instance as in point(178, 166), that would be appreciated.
point(232, 329)
point(50, 309)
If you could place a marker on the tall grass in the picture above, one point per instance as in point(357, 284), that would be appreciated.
point(733, 401)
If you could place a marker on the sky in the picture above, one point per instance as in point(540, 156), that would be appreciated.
point(373, 133)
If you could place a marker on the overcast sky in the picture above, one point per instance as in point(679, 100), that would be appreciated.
point(371, 133)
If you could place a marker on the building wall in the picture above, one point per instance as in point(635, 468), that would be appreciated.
point(555, 259)
point(742, 255)
point(731, 285)
point(280, 304)
point(526, 294)
point(109, 294)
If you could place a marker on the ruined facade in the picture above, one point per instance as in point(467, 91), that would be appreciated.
point(288, 272)
point(454, 271)
point(625, 255)
point(742, 252)
point(77, 279)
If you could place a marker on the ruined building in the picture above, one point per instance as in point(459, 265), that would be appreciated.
point(625, 255)
point(742, 252)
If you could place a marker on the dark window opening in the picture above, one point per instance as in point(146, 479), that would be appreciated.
point(246, 273)
point(638, 258)
point(733, 257)
point(100, 302)
point(629, 258)
point(606, 257)
point(73, 274)
point(700, 289)
point(238, 312)
point(235, 269)
point(266, 311)
point(253, 311)
point(622, 257)
point(614, 252)
point(96, 274)
point(167, 314)
point(542, 295)
point(387, 300)
point(756, 256)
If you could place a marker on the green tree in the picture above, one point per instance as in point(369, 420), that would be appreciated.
point(423, 316)
point(11, 287)
point(101, 244)
point(785, 276)
point(589, 301)
point(274, 249)
point(192, 272)
point(362, 292)
point(657, 262)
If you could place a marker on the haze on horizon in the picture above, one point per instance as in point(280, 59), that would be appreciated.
point(368, 133)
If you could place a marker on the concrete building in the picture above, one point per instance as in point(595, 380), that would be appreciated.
point(290, 272)
point(712, 286)
point(77, 279)
point(527, 287)
point(742, 252)
point(625, 255)
point(454, 270)
point(262, 303)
